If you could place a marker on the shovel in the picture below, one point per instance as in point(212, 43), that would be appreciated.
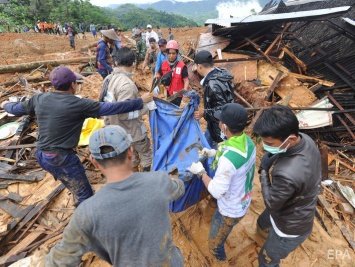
point(155, 83)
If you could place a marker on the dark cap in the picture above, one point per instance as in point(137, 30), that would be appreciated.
point(162, 41)
point(61, 77)
point(113, 136)
point(203, 57)
point(152, 40)
point(233, 115)
point(136, 35)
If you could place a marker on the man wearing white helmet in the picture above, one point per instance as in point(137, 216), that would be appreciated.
point(173, 73)
point(150, 34)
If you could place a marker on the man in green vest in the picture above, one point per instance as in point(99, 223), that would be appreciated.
point(232, 184)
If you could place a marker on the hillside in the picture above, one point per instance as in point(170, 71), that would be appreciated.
point(130, 15)
point(198, 11)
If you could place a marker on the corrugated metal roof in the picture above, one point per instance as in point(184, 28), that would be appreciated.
point(228, 22)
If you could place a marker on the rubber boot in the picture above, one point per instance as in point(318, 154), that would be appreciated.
point(146, 169)
point(135, 169)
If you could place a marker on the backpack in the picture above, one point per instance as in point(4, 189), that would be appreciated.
point(104, 87)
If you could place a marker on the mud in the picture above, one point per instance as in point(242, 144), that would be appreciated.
point(190, 228)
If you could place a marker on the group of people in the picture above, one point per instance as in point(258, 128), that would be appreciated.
point(127, 222)
point(163, 60)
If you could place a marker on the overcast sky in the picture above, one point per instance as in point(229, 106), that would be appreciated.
point(110, 2)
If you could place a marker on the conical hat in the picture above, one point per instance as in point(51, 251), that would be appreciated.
point(111, 34)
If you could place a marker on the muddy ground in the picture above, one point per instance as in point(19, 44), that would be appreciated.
point(190, 228)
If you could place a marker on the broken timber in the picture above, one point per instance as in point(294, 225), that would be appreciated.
point(33, 65)
point(336, 219)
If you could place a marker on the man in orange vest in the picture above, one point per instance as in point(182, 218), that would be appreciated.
point(175, 69)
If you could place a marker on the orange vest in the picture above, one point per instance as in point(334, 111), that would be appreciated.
point(177, 82)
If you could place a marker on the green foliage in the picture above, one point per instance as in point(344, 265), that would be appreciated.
point(27, 12)
point(130, 15)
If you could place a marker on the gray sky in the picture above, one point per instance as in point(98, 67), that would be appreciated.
point(110, 2)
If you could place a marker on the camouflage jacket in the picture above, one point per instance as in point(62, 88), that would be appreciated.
point(141, 49)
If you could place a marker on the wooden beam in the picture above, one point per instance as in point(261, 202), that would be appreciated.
point(32, 65)
point(278, 37)
point(19, 177)
point(324, 203)
point(18, 146)
point(261, 51)
point(273, 85)
point(340, 107)
point(299, 62)
point(309, 78)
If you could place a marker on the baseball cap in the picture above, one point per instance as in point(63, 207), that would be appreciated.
point(61, 77)
point(136, 35)
point(112, 136)
point(149, 26)
point(151, 40)
point(203, 57)
point(162, 41)
point(233, 115)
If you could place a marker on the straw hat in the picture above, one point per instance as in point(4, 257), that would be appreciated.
point(111, 34)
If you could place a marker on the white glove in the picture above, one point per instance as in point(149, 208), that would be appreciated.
point(211, 153)
point(151, 105)
point(197, 169)
point(156, 90)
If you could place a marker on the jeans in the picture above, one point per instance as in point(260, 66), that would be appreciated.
point(221, 226)
point(212, 143)
point(176, 101)
point(103, 73)
point(68, 169)
point(276, 247)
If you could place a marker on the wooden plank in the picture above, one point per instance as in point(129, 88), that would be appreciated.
point(351, 119)
point(295, 59)
point(336, 219)
point(18, 146)
point(10, 208)
point(28, 240)
point(312, 79)
point(242, 71)
point(211, 43)
point(33, 212)
point(261, 51)
point(301, 95)
point(19, 177)
point(278, 37)
point(273, 85)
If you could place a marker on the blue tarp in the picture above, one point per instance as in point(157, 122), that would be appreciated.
point(173, 130)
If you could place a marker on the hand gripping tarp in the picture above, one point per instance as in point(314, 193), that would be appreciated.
point(173, 130)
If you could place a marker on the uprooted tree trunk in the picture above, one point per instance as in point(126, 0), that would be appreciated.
point(34, 65)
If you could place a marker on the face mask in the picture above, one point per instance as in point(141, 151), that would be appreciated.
point(276, 150)
point(222, 134)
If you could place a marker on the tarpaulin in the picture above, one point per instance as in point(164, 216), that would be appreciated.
point(173, 131)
